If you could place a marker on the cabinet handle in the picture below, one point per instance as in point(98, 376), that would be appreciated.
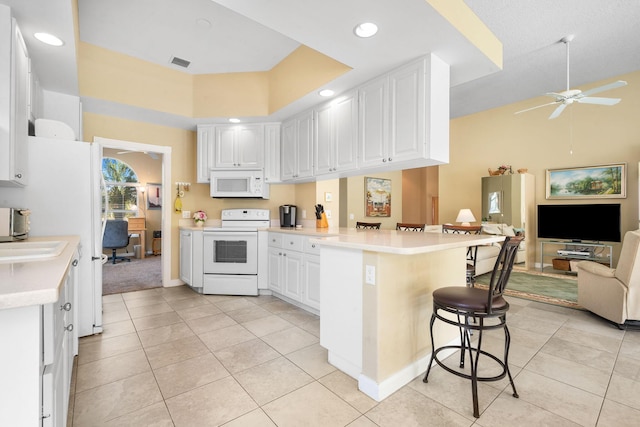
point(313, 245)
point(384, 160)
point(69, 328)
point(390, 159)
point(284, 254)
point(66, 307)
point(75, 263)
point(19, 175)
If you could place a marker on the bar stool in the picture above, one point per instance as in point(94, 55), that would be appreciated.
point(479, 304)
point(368, 225)
point(472, 251)
point(405, 226)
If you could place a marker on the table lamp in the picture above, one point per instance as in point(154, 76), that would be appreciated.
point(465, 216)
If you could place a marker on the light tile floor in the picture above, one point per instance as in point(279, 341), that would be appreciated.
point(172, 357)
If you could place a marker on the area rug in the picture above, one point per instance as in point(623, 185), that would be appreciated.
point(136, 275)
point(548, 288)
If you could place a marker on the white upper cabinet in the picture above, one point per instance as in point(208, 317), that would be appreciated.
point(14, 103)
point(297, 148)
point(205, 152)
point(272, 153)
point(336, 142)
point(239, 146)
point(404, 117)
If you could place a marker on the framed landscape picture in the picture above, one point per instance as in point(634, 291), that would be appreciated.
point(591, 182)
point(378, 197)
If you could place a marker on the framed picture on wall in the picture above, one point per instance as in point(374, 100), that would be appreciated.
point(154, 196)
point(378, 197)
point(591, 182)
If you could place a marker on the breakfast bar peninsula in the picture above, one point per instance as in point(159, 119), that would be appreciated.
point(376, 304)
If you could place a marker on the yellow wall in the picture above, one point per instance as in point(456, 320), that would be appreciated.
point(356, 200)
point(596, 134)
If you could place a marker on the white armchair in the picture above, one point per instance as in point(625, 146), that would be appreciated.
point(613, 293)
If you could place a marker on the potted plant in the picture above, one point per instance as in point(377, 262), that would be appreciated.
point(199, 217)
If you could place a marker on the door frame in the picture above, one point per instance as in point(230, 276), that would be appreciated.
point(165, 243)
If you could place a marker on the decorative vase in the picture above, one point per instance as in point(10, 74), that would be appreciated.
point(199, 223)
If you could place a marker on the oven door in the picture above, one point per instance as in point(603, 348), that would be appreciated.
point(230, 252)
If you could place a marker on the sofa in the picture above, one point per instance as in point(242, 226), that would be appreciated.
point(488, 254)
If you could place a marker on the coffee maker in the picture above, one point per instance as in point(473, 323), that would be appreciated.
point(288, 215)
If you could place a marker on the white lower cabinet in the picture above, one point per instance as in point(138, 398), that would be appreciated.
point(60, 345)
point(294, 269)
point(191, 257)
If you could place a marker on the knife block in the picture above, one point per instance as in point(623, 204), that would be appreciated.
point(322, 222)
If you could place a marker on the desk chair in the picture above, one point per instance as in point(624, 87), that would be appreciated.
point(405, 226)
point(116, 236)
point(472, 251)
point(466, 303)
point(368, 225)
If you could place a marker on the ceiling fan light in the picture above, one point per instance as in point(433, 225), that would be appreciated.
point(365, 29)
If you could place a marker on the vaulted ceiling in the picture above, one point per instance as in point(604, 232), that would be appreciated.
point(227, 36)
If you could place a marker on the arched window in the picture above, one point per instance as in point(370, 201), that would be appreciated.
point(121, 184)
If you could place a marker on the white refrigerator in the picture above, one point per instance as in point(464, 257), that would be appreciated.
point(63, 194)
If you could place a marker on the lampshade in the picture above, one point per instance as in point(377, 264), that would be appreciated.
point(465, 216)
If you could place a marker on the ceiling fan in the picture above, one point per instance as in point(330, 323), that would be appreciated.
point(569, 96)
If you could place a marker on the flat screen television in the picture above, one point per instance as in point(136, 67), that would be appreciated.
point(580, 222)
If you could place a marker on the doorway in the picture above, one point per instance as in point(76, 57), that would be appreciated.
point(158, 214)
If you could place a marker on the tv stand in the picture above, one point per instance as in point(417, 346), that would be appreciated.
point(573, 251)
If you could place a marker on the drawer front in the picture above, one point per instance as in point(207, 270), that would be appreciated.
point(293, 243)
point(311, 248)
point(275, 240)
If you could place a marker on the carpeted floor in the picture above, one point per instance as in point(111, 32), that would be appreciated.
point(132, 276)
point(549, 288)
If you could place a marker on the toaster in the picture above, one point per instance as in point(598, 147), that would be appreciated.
point(14, 224)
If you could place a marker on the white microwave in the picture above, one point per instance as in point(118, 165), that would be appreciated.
point(239, 184)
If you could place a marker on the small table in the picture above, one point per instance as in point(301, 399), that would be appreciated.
point(138, 225)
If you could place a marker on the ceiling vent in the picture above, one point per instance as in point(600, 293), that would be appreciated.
point(180, 62)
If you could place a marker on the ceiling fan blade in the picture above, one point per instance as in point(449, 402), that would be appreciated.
point(557, 111)
point(533, 108)
point(598, 101)
point(610, 86)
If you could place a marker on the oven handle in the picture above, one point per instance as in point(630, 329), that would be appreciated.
point(217, 234)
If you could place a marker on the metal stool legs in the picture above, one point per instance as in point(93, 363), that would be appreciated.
point(466, 347)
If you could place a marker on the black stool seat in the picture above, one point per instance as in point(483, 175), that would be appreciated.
point(468, 300)
point(476, 304)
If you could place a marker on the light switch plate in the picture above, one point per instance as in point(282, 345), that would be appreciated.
point(370, 274)
point(186, 214)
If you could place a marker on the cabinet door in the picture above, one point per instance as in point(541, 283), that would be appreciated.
point(186, 257)
point(272, 153)
point(275, 269)
point(205, 151)
point(407, 110)
point(323, 140)
point(373, 122)
point(225, 147)
point(305, 145)
point(250, 146)
point(292, 272)
point(289, 151)
point(20, 132)
point(311, 280)
point(345, 131)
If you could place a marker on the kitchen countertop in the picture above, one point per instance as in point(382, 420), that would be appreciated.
point(37, 282)
point(402, 242)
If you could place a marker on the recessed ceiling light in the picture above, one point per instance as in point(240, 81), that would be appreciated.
point(366, 29)
point(326, 92)
point(49, 39)
point(234, 120)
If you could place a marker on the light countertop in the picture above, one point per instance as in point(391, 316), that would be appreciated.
point(402, 242)
point(36, 282)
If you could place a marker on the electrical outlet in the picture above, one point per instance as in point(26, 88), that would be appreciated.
point(328, 212)
point(352, 216)
point(370, 274)
point(186, 214)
